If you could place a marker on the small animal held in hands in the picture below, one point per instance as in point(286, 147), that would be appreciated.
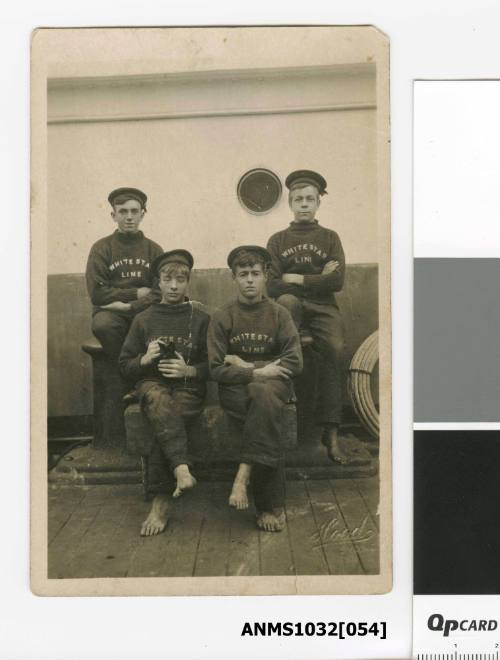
point(167, 351)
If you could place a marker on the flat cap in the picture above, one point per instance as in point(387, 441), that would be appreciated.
point(262, 252)
point(307, 177)
point(177, 256)
point(122, 195)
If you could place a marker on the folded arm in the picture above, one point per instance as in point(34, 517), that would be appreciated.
point(332, 281)
point(154, 296)
point(276, 287)
point(218, 347)
point(98, 285)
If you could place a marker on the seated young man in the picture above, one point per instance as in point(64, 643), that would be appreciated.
point(254, 351)
point(118, 275)
point(171, 387)
point(307, 269)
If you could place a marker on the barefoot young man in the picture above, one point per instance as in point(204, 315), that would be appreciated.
point(254, 351)
point(308, 267)
point(172, 389)
point(119, 278)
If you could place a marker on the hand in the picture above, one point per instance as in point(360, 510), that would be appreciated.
point(236, 361)
point(293, 278)
point(271, 370)
point(142, 292)
point(152, 353)
point(117, 306)
point(176, 368)
point(330, 267)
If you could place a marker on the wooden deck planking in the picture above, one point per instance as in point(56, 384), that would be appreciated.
point(186, 518)
point(357, 517)
point(94, 532)
point(276, 553)
point(60, 509)
point(244, 550)
point(212, 554)
point(333, 534)
point(308, 558)
point(122, 542)
point(60, 559)
point(92, 556)
point(149, 553)
point(92, 548)
point(369, 489)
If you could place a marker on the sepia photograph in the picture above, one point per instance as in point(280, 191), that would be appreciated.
point(210, 310)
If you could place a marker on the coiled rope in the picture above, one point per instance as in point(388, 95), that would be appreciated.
point(360, 372)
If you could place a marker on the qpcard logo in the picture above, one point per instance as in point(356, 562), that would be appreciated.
point(438, 623)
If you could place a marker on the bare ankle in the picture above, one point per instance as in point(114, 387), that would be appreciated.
point(185, 480)
point(239, 496)
point(243, 474)
point(182, 470)
point(157, 518)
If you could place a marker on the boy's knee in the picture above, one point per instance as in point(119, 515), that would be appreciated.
point(289, 301)
point(332, 345)
point(258, 387)
point(101, 323)
point(337, 344)
point(151, 397)
point(156, 399)
point(261, 391)
point(106, 326)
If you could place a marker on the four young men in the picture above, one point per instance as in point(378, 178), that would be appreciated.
point(251, 347)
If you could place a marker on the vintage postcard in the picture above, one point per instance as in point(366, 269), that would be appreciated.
point(210, 311)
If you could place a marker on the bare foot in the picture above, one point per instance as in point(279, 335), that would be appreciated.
point(239, 497)
point(185, 480)
point(156, 521)
point(335, 452)
point(355, 454)
point(271, 521)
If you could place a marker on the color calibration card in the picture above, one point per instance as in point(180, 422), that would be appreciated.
point(457, 369)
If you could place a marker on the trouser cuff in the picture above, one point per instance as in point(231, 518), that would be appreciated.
point(259, 459)
point(322, 421)
point(179, 460)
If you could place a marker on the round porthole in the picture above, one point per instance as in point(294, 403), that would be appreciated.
point(259, 190)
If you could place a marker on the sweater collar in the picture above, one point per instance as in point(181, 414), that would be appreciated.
point(128, 239)
point(303, 227)
point(249, 306)
point(180, 308)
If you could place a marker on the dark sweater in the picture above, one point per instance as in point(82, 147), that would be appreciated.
point(185, 325)
point(305, 249)
point(258, 334)
point(117, 266)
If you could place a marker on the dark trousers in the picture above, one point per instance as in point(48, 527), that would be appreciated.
point(268, 487)
point(327, 330)
point(168, 410)
point(259, 408)
point(111, 328)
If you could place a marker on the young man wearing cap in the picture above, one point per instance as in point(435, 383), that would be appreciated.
point(308, 267)
point(119, 279)
point(171, 390)
point(254, 351)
